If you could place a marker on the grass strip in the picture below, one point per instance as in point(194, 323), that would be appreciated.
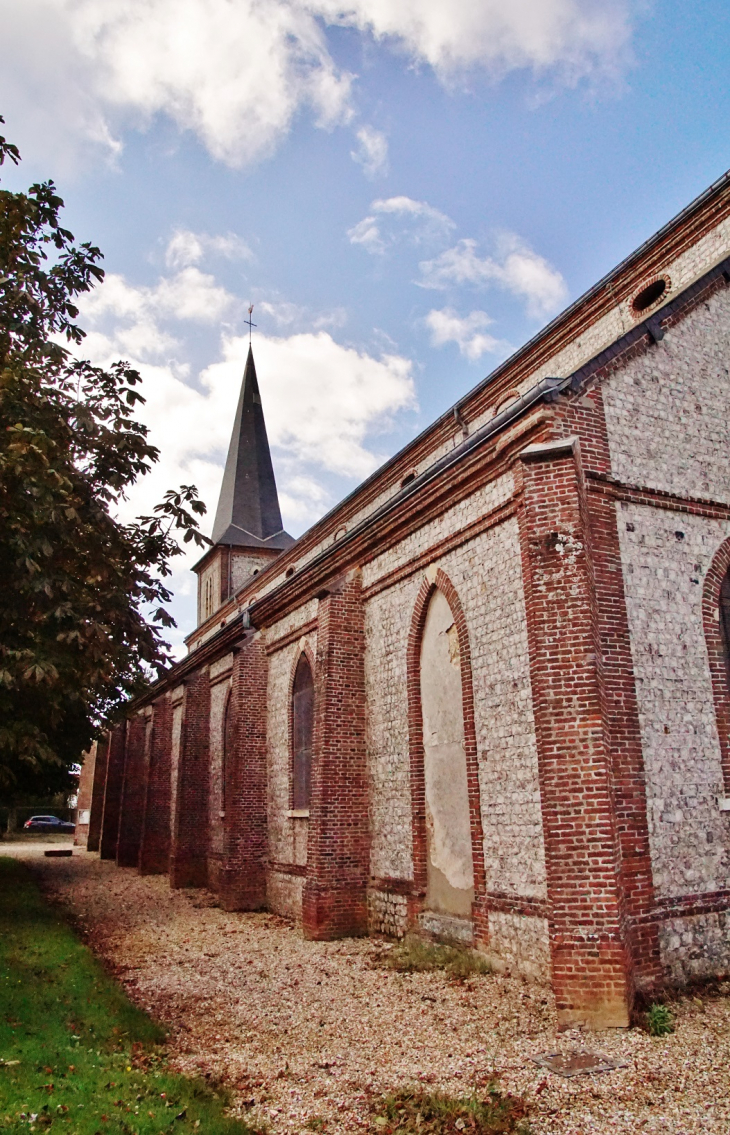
point(414, 954)
point(75, 1054)
point(414, 1111)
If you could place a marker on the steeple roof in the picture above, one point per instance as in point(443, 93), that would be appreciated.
point(248, 513)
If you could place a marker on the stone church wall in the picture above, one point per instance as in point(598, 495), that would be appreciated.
point(486, 573)
point(668, 430)
point(666, 410)
point(220, 687)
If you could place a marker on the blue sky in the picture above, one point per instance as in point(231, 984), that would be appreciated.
point(406, 190)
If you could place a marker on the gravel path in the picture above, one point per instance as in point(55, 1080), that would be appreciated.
point(301, 1030)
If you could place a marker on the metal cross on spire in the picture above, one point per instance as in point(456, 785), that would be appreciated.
point(249, 322)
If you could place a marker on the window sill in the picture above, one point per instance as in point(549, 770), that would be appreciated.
point(298, 814)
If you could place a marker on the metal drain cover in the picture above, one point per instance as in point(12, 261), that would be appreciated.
point(576, 1063)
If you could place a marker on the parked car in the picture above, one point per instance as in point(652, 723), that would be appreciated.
point(48, 824)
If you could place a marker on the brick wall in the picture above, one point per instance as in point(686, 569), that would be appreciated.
point(189, 850)
point(334, 899)
point(83, 799)
point(134, 790)
point(97, 794)
point(243, 882)
point(590, 965)
point(113, 792)
point(154, 856)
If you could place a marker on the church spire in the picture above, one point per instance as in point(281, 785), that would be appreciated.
point(248, 513)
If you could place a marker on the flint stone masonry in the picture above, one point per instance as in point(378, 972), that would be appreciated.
point(520, 943)
point(387, 619)
point(696, 947)
point(387, 913)
point(667, 409)
point(284, 893)
point(663, 577)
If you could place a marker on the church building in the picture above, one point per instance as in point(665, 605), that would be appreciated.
point(487, 696)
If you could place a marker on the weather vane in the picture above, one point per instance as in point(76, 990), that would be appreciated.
point(249, 322)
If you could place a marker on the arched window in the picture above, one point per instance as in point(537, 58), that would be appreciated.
point(229, 748)
point(725, 620)
point(302, 733)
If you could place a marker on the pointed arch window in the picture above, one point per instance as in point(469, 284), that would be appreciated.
point(302, 734)
point(725, 621)
point(229, 744)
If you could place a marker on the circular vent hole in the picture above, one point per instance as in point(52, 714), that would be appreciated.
point(649, 295)
point(409, 477)
point(289, 572)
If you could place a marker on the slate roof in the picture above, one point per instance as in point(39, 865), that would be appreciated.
point(248, 513)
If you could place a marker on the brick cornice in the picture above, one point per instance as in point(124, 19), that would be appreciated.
point(656, 498)
point(688, 906)
point(291, 637)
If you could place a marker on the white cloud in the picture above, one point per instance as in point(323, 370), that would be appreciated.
point(406, 206)
point(574, 37)
point(367, 233)
point(132, 318)
point(237, 73)
point(421, 223)
point(186, 248)
point(372, 153)
point(468, 332)
point(517, 268)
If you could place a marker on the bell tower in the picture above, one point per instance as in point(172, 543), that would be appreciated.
point(247, 531)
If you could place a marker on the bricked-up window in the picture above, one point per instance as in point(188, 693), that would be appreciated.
point(302, 733)
point(229, 747)
point(725, 621)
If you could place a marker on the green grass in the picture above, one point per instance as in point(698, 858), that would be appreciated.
point(659, 1020)
point(75, 1054)
point(413, 1110)
point(416, 955)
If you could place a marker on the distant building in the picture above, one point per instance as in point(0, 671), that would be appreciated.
point(487, 695)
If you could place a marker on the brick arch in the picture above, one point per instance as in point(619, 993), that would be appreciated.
point(415, 734)
point(307, 652)
point(716, 652)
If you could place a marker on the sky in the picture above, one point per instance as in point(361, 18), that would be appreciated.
point(406, 190)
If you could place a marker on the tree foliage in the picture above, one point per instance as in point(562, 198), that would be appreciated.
point(81, 593)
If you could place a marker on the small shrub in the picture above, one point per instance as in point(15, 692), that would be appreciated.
point(416, 955)
point(659, 1020)
point(315, 1123)
point(434, 1113)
